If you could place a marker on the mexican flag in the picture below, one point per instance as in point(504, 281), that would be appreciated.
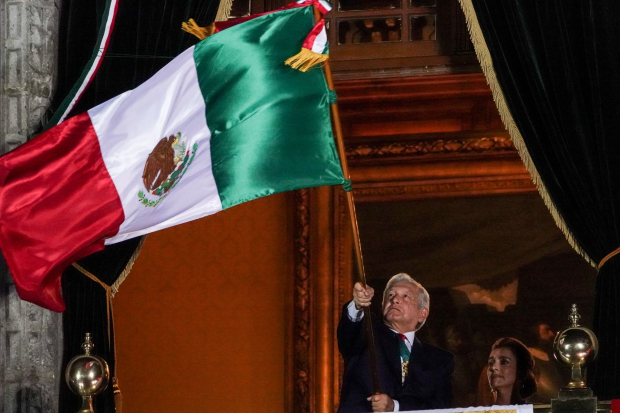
point(224, 123)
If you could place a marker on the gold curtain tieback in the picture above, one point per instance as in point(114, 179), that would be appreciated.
point(108, 293)
point(608, 257)
point(118, 398)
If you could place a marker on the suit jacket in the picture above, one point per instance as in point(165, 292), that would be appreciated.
point(428, 383)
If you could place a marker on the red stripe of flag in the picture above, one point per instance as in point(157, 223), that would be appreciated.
point(58, 203)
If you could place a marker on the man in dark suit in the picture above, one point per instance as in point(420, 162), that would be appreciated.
point(412, 375)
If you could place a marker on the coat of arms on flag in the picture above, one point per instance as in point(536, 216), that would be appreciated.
point(164, 168)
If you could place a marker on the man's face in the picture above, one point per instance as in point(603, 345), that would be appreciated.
point(400, 309)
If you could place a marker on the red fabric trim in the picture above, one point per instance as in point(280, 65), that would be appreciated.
point(70, 107)
point(57, 204)
point(318, 27)
point(321, 8)
point(105, 49)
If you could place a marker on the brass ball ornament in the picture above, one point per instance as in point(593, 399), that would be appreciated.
point(576, 346)
point(87, 375)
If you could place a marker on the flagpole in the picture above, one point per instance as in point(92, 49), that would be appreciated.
point(353, 219)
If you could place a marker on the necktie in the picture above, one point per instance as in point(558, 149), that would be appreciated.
point(404, 355)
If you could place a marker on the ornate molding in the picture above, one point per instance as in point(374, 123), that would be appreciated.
point(343, 241)
point(430, 147)
point(411, 110)
point(443, 188)
point(400, 72)
point(301, 317)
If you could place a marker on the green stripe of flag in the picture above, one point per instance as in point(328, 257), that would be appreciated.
point(270, 124)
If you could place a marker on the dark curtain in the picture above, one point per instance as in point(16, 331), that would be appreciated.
point(558, 65)
point(86, 312)
point(146, 36)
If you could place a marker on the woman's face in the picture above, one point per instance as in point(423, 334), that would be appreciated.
point(502, 371)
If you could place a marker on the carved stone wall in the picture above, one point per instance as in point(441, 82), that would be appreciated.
point(30, 337)
point(28, 66)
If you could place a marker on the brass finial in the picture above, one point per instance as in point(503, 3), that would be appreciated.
point(576, 346)
point(87, 345)
point(574, 316)
point(87, 375)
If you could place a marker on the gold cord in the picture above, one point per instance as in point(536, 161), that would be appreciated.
point(108, 293)
point(111, 343)
point(608, 257)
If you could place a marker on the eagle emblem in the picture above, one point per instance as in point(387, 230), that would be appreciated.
point(164, 168)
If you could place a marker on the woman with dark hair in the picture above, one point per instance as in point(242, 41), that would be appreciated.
point(511, 372)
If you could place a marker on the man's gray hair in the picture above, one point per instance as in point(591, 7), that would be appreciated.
point(423, 297)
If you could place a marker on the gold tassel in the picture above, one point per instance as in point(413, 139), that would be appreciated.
point(223, 11)
point(127, 270)
point(484, 57)
point(202, 33)
point(118, 397)
point(306, 59)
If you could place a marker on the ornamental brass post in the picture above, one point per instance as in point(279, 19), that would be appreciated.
point(87, 375)
point(577, 347)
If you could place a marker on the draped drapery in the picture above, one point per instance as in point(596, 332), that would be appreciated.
point(146, 36)
point(87, 311)
point(553, 67)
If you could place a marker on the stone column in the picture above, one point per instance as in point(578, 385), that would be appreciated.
point(30, 337)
